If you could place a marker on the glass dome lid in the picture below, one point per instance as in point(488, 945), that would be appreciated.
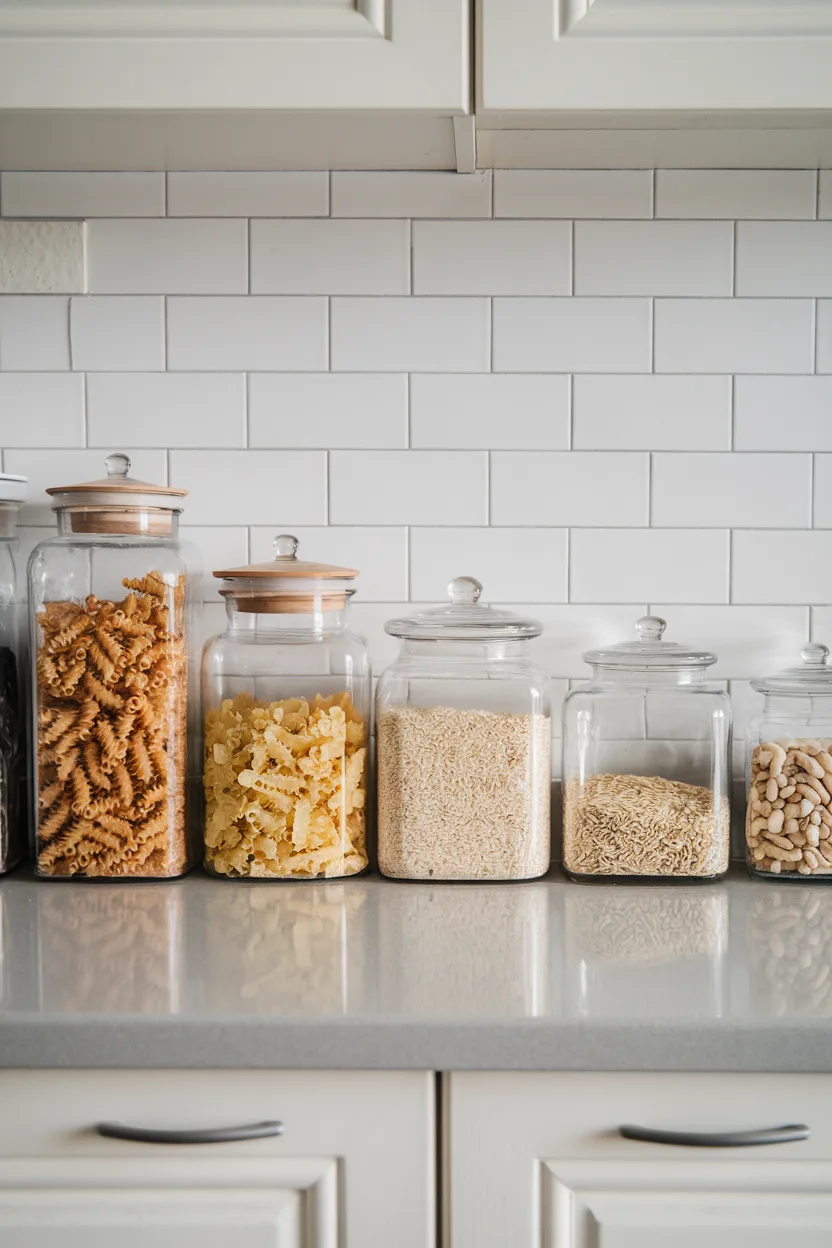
point(464, 618)
point(649, 650)
point(812, 678)
point(286, 584)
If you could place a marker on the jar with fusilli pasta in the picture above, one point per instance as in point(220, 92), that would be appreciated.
point(109, 611)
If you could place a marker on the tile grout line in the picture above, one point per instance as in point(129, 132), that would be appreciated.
point(653, 195)
point(732, 406)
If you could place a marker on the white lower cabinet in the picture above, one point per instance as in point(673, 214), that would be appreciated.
point(537, 1161)
point(353, 1168)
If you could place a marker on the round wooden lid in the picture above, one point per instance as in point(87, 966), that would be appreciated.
point(118, 482)
point(286, 565)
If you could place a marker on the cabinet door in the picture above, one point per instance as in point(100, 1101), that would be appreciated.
point(654, 55)
point(536, 1161)
point(262, 54)
point(353, 1168)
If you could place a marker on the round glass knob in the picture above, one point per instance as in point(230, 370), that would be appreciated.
point(117, 465)
point(464, 591)
point(285, 546)
point(815, 655)
point(650, 627)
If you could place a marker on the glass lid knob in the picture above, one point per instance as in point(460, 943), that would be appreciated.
point(285, 546)
point(650, 627)
point(464, 591)
point(117, 465)
point(815, 655)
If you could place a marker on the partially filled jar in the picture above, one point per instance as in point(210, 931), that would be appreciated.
point(286, 694)
point(12, 679)
point(646, 747)
point(463, 745)
point(108, 611)
point(788, 825)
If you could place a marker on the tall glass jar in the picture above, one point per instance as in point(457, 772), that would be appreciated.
point(646, 748)
point(788, 825)
point(286, 694)
point(464, 746)
point(12, 681)
point(108, 612)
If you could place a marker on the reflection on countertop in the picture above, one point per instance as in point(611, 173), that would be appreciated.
point(367, 972)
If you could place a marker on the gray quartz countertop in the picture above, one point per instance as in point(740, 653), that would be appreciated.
point(368, 973)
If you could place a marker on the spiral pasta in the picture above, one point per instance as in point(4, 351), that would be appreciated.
point(111, 680)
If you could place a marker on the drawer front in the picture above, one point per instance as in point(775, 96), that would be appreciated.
point(537, 1161)
point(354, 1165)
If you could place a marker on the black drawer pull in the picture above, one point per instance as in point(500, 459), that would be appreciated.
point(718, 1139)
point(201, 1135)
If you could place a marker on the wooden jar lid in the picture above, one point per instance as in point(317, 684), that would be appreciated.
point(286, 584)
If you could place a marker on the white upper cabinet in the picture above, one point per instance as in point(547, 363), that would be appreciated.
point(654, 55)
point(408, 55)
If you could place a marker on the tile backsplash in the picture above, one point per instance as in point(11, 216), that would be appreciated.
point(598, 392)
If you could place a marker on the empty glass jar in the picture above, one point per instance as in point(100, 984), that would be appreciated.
point(788, 825)
point(463, 744)
point(12, 679)
point(286, 695)
point(645, 764)
point(108, 611)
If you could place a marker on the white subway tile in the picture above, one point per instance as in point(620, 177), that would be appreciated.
point(42, 257)
point(784, 258)
point(746, 705)
point(368, 620)
point(174, 257)
point(489, 410)
point(655, 412)
point(737, 489)
point(410, 335)
point(328, 409)
point(773, 567)
point(653, 257)
point(41, 409)
point(166, 409)
point(114, 332)
point(569, 487)
point(733, 335)
point(514, 565)
point(380, 554)
point(258, 194)
point(34, 332)
point(825, 194)
point(824, 332)
point(823, 492)
point(645, 565)
point(573, 193)
point(417, 194)
point(82, 194)
point(748, 642)
point(492, 257)
point(249, 332)
point(572, 335)
point(408, 487)
point(279, 488)
point(736, 193)
point(821, 626)
point(217, 548)
point(46, 468)
point(310, 257)
point(572, 629)
point(783, 413)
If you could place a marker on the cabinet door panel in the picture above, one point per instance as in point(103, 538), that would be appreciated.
point(660, 56)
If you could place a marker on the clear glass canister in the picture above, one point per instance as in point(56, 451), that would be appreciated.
point(646, 745)
point(13, 663)
point(788, 825)
point(463, 746)
point(286, 694)
point(109, 601)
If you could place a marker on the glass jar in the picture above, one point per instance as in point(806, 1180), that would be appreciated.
point(286, 694)
point(463, 735)
point(645, 764)
point(12, 682)
point(788, 823)
point(109, 601)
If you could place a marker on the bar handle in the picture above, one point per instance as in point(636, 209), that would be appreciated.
point(717, 1139)
point(201, 1135)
